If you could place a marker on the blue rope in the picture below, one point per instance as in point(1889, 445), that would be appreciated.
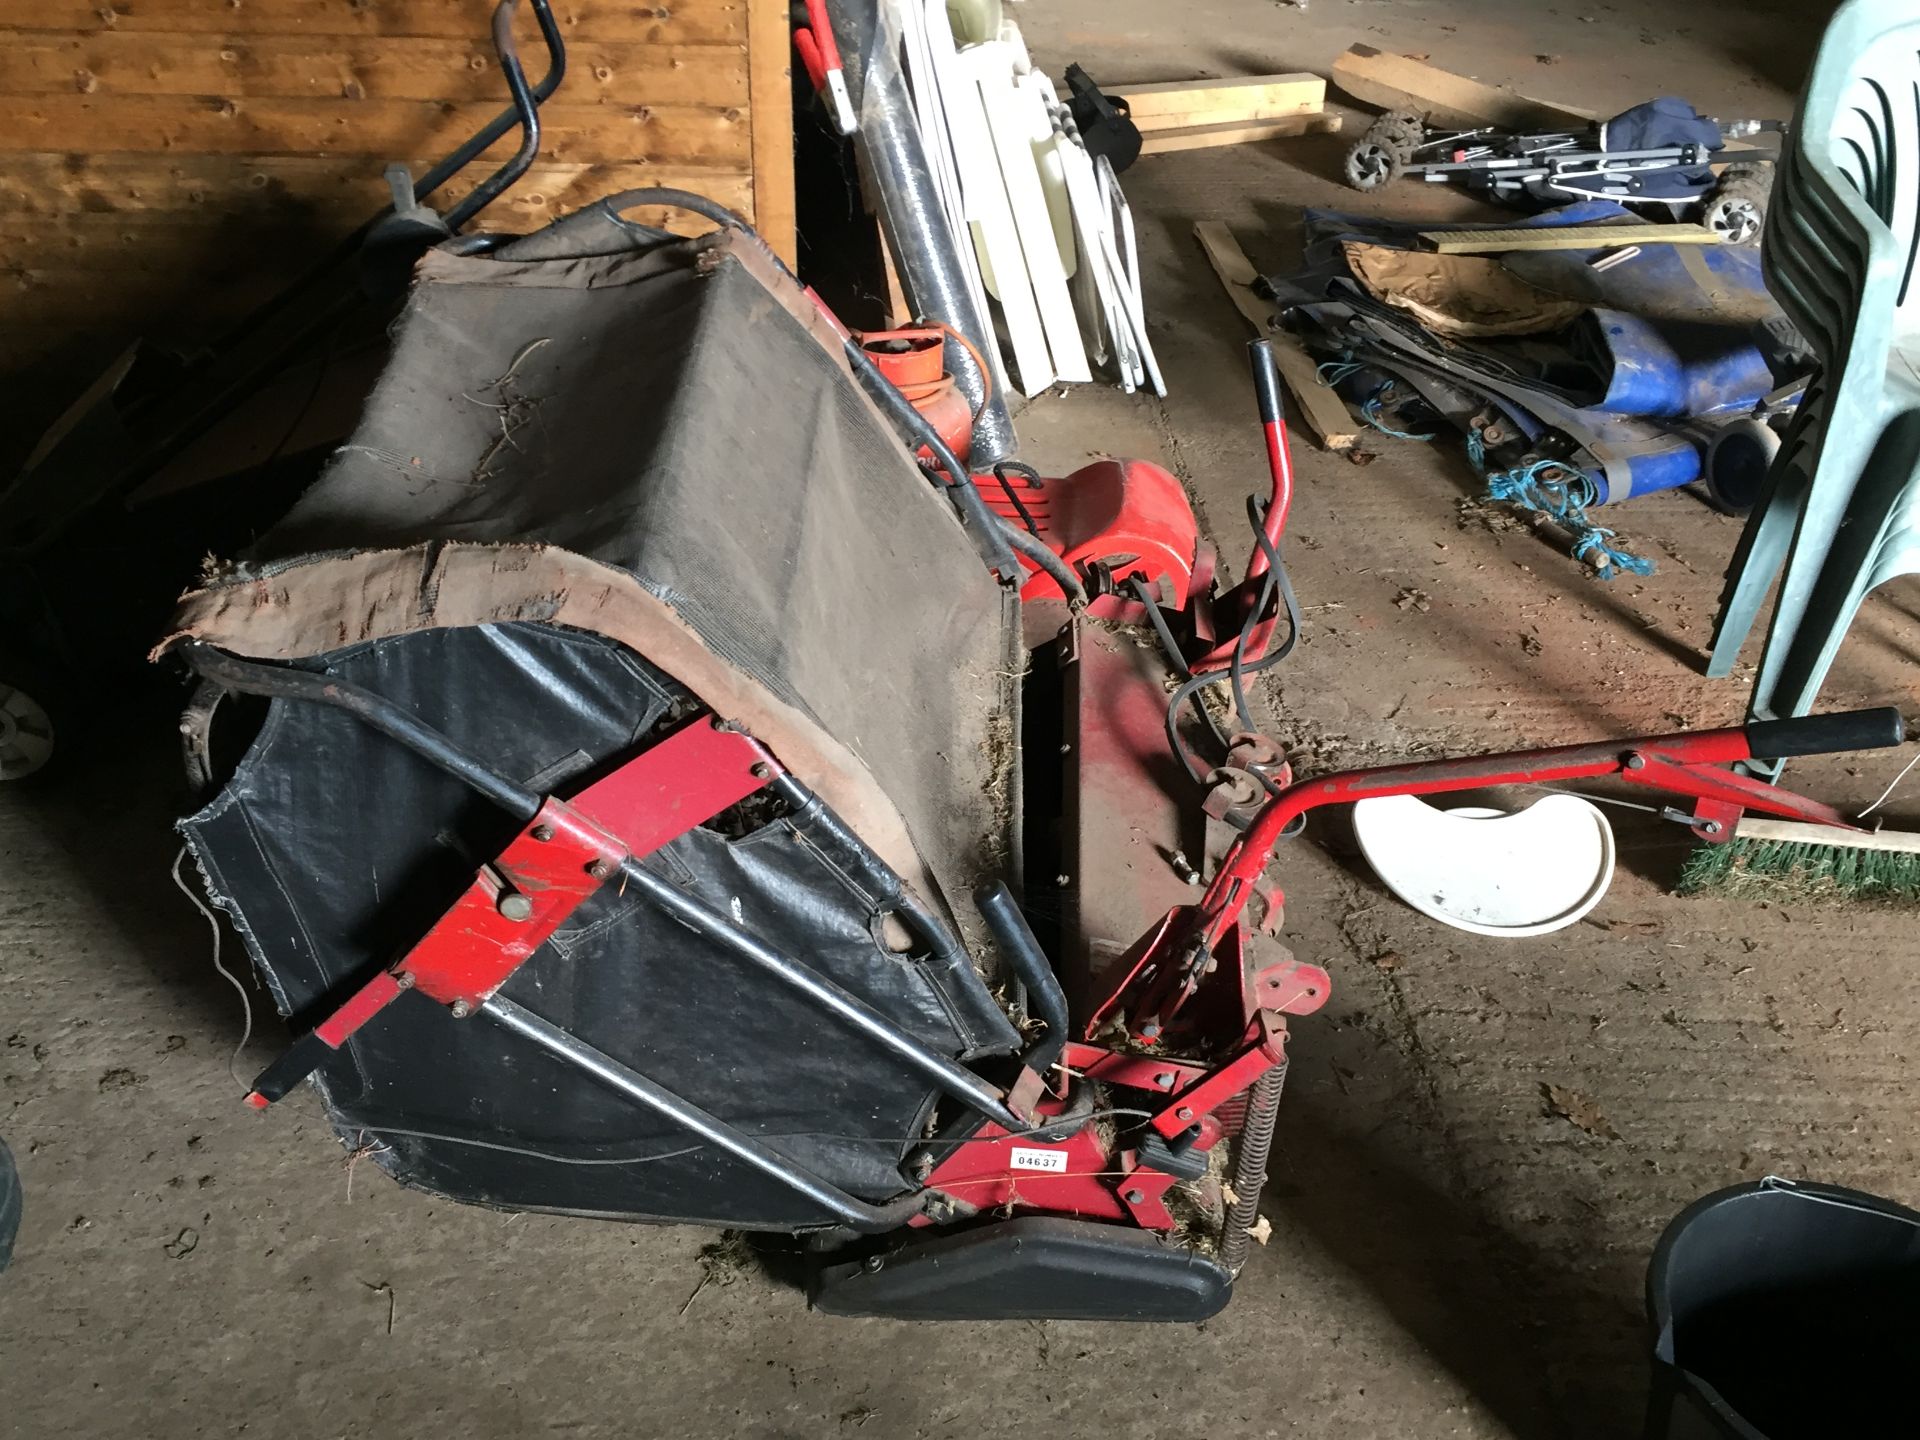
point(1370, 412)
point(1332, 372)
point(1565, 499)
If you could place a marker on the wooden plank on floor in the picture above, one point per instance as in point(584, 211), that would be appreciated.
point(1175, 104)
point(1235, 132)
point(1325, 412)
point(1396, 82)
point(1566, 237)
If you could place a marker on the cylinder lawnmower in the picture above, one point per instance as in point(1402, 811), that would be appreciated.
point(671, 802)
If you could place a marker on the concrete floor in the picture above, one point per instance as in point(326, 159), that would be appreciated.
point(1448, 1259)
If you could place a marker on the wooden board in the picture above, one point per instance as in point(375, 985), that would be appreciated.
point(1760, 827)
point(649, 23)
point(1565, 237)
point(770, 95)
point(209, 125)
point(166, 164)
point(1175, 104)
point(1235, 132)
point(1395, 82)
point(353, 67)
point(1326, 413)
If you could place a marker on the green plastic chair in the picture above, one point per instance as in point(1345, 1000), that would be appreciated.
point(1840, 513)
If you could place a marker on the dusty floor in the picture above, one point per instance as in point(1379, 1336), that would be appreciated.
point(1448, 1257)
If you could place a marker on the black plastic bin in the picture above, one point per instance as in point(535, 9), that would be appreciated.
point(9, 1204)
point(1782, 1311)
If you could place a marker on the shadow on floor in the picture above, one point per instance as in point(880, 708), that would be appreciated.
point(1524, 1329)
point(110, 814)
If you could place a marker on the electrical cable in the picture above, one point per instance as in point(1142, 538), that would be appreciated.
point(1000, 469)
point(1042, 555)
point(1239, 667)
point(902, 1142)
point(986, 375)
point(1887, 793)
point(1159, 623)
point(246, 1002)
point(1276, 575)
point(382, 1131)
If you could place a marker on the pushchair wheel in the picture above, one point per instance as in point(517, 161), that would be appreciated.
point(1371, 164)
point(1737, 208)
point(1400, 130)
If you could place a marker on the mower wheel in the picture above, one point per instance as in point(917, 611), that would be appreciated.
point(32, 703)
point(1737, 208)
point(1370, 164)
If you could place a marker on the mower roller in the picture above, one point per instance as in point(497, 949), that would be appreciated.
point(672, 802)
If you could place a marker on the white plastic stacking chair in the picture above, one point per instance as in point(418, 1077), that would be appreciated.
point(1839, 511)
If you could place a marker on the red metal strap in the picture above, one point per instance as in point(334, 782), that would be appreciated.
point(545, 874)
point(553, 866)
point(682, 781)
point(1266, 1047)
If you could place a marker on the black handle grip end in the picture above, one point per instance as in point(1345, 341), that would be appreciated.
point(1824, 734)
point(1266, 381)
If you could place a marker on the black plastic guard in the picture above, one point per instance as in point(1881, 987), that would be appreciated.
point(1033, 1268)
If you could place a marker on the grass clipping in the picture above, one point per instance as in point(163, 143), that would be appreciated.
point(1791, 870)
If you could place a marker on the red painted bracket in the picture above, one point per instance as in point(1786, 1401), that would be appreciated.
point(558, 861)
point(1264, 1047)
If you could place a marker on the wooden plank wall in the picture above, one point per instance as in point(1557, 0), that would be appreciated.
point(167, 164)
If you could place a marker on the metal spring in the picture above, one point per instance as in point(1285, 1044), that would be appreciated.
point(1250, 1166)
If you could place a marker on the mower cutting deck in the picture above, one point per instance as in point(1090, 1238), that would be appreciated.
point(654, 757)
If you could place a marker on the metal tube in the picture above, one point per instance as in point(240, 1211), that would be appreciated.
point(830, 833)
point(250, 677)
point(848, 1210)
point(1030, 963)
point(992, 540)
point(950, 1077)
point(509, 117)
point(526, 112)
point(918, 235)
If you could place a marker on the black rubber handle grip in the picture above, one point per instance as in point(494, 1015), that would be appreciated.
point(1823, 734)
point(1266, 381)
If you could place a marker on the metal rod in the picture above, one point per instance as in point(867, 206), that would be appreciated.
point(509, 117)
point(828, 832)
point(1030, 963)
point(526, 112)
point(848, 1210)
point(949, 1076)
point(250, 677)
point(253, 678)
